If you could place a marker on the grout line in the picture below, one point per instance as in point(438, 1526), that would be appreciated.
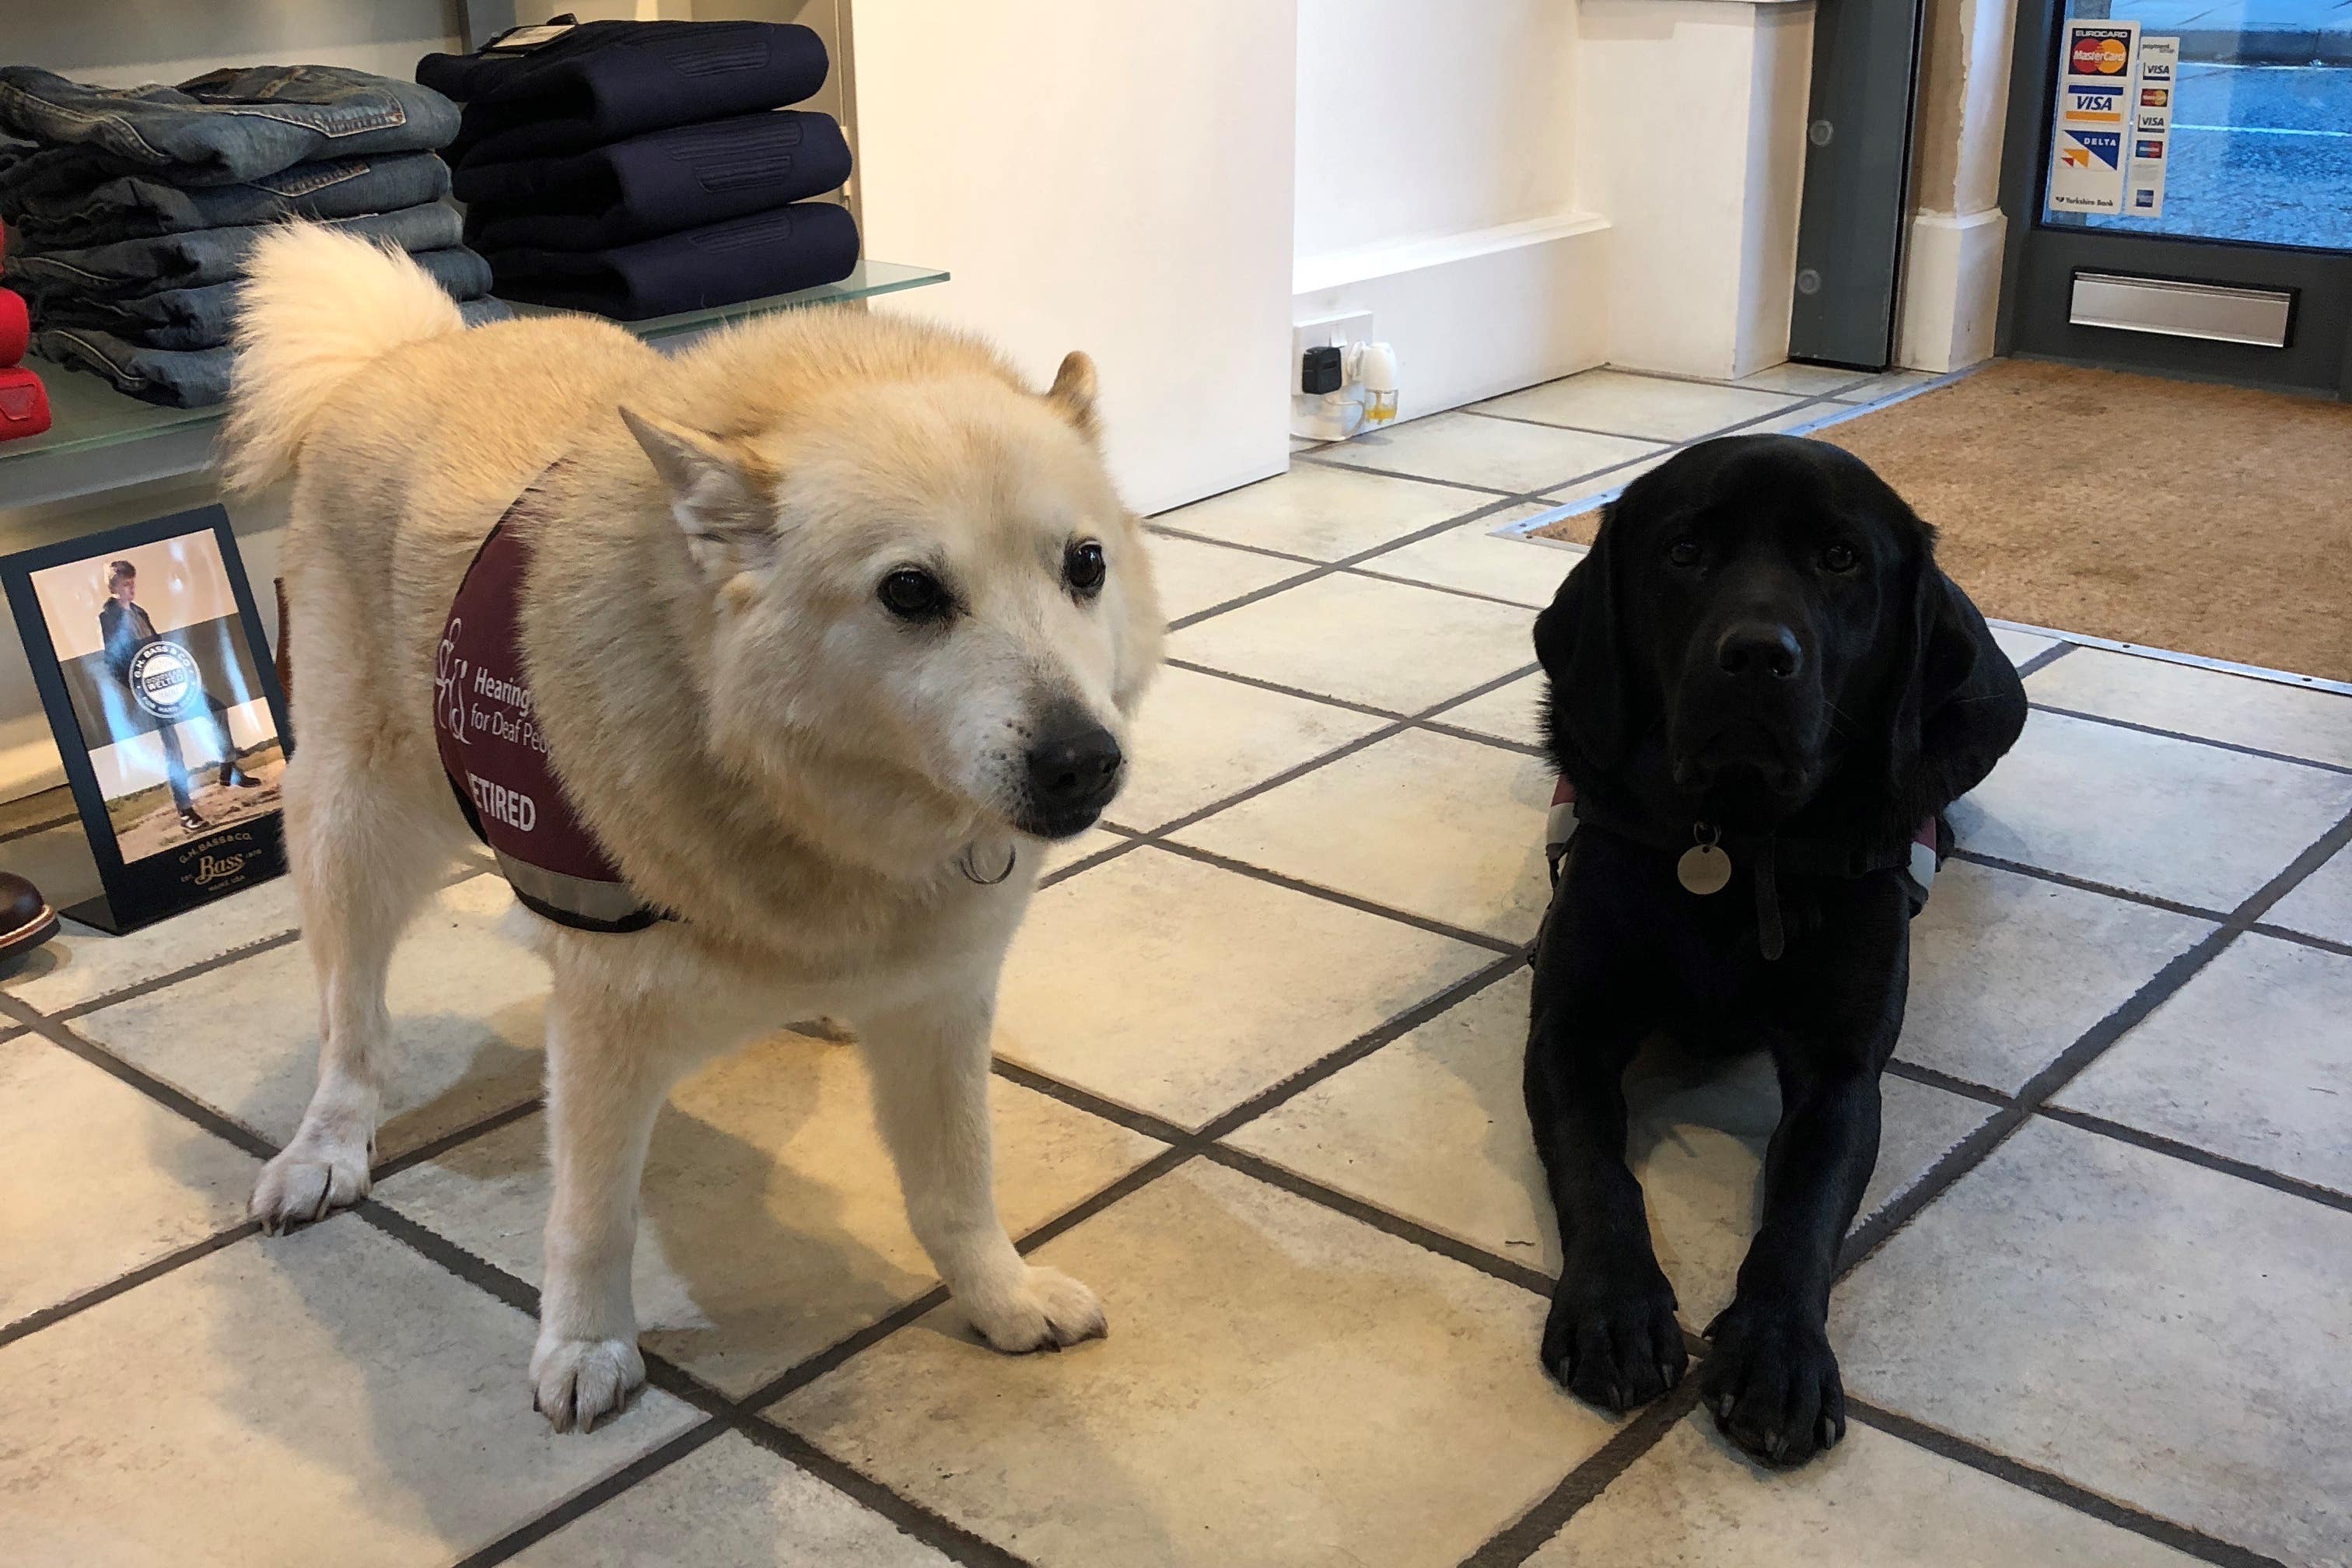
point(2045, 659)
point(1243, 601)
point(2190, 1153)
point(1323, 462)
point(1525, 748)
point(163, 982)
point(154, 1088)
point(435, 1148)
point(2056, 1488)
point(595, 1495)
point(1334, 896)
point(927, 1525)
point(1936, 1078)
point(2302, 939)
point(2086, 885)
point(2193, 740)
point(1167, 530)
point(1275, 685)
point(1093, 1104)
point(1524, 608)
point(27, 831)
point(1524, 1536)
point(33, 1323)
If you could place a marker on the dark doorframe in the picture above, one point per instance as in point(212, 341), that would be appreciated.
point(1857, 189)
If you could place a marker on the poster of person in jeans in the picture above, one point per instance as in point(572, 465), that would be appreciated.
point(179, 734)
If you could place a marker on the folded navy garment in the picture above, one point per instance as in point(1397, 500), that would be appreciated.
point(531, 95)
point(206, 255)
point(652, 185)
point(71, 196)
point(179, 378)
point(200, 318)
point(230, 126)
point(797, 247)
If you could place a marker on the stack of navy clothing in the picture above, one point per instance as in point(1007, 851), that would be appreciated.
point(639, 169)
point(134, 209)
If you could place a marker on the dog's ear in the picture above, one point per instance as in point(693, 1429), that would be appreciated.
point(719, 491)
point(1072, 396)
point(1582, 646)
point(1961, 706)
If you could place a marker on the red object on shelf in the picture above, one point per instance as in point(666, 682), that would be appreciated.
point(24, 404)
point(16, 327)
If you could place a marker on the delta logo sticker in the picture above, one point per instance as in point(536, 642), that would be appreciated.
point(2099, 51)
point(2106, 146)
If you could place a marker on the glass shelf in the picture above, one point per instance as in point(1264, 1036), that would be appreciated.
point(98, 440)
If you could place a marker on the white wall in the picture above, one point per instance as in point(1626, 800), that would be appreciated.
point(1436, 188)
point(1109, 178)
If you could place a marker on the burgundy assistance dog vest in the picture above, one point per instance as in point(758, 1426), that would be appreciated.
point(496, 758)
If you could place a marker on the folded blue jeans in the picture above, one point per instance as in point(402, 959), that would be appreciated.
point(179, 378)
point(205, 255)
point(231, 126)
point(656, 183)
point(600, 81)
point(60, 197)
point(796, 246)
point(200, 318)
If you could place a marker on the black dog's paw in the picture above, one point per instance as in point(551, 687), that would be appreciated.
point(1772, 1381)
point(1615, 1347)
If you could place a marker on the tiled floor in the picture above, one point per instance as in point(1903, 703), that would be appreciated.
point(1259, 1084)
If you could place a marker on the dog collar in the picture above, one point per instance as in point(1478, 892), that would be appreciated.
point(486, 725)
point(1704, 865)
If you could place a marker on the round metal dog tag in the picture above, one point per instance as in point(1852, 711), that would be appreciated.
point(1704, 870)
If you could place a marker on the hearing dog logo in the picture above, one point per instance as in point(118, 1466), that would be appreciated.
point(164, 679)
point(449, 683)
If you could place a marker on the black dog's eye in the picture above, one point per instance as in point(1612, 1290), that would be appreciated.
point(914, 595)
point(1682, 553)
point(1840, 557)
point(1083, 568)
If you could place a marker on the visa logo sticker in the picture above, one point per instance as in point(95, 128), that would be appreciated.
point(2095, 105)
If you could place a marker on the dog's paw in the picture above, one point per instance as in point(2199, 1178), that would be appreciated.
point(1615, 1348)
point(1772, 1381)
point(1044, 1309)
point(309, 1180)
point(575, 1382)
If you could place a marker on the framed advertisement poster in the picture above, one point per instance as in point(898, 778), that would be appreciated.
point(148, 652)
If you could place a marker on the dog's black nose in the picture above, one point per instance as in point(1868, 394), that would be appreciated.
point(1074, 768)
point(1758, 649)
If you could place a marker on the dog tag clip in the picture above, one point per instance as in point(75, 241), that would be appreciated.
point(1703, 868)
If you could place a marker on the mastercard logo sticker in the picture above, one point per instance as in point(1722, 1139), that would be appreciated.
point(2100, 56)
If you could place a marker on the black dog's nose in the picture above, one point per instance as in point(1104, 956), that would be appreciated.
point(1759, 648)
point(1069, 769)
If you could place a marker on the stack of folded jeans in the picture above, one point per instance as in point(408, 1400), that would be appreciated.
point(135, 209)
point(24, 401)
point(639, 169)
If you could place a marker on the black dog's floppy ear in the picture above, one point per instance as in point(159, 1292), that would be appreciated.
point(1961, 706)
point(1581, 648)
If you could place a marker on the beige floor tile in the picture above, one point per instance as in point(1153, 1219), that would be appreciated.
point(2321, 904)
point(1193, 576)
point(244, 1039)
point(2008, 971)
point(1445, 828)
point(1694, 1501)
point(2159, 1333)
point(1184, 989)
point(1887, 384)
point(1501, 453)
point(2253, 1058)
point(731, 1504)
point(2174, 818)
point(1603, 487)
point(1806, 380)
point(2292, 720)
point(1649, 407)
point(2019, 645)
point(1512, 712)
point(1069, 851)
point(1476, 559)
point(772, 1224)
point(1434, 1128)
point(1282, 1385)
point(1387, 644)
point(1326, 513)
point(57, 861)
point(97, 1180)
point(1201, 738)
point(81, 964)
point(324, 1398)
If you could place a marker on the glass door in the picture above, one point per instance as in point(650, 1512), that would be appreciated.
point(2179, 176)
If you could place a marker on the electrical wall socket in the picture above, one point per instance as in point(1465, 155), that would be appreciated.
point(1324, 418)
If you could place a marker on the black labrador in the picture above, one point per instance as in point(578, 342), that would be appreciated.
point(1761, 688)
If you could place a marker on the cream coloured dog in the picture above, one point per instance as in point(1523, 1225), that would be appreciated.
point(828, 618)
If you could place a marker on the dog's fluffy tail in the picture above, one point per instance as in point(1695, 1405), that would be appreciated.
point(317, 308)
